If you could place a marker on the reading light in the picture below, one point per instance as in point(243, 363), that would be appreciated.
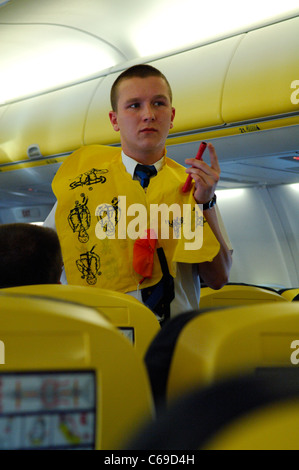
point(295, 186)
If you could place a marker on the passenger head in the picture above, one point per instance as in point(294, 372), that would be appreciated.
point(140, 71)
point(29, 254)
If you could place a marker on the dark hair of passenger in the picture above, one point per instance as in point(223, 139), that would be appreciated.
point(140, 71)
point(29, 254)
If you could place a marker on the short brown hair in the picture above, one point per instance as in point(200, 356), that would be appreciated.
point(141, 71)
point(29, 254)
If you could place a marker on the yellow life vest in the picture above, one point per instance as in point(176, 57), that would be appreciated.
point(97, 224)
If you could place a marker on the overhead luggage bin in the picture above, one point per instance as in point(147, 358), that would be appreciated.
point(196, 77)
point(248, 82)
point(262, 71)
point(53, 121)
point(98, 129)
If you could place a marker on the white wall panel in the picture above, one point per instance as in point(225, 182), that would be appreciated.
point(286, 200)
point(262, 251)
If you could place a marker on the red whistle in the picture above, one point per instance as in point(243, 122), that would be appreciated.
point(201, 150)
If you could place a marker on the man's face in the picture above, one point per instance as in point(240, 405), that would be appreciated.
point(144, 116)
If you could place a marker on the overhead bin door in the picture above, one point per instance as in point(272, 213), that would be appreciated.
point(98, 129)
point(54, 121)
point(259, 79)
point(3, 156)
point(196, 78)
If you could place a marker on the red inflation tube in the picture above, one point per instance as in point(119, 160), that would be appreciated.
point(200, 152)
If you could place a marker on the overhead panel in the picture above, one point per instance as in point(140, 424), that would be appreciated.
point(40, 57)
point(197, 78)
point(234, 86)
point(262, 72)
point(3, 156)
point(98, 129)
point(238, 85)
point(53, 121)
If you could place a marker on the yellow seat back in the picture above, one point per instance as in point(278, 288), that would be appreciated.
point(69, 379)
point(133, 318)
point(273, 427)
point(231, 341)
point(291, 294)
point(234, 294)
point(239, 413)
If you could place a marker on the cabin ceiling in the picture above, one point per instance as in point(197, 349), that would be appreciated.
point(48, 38)
point(130, 28)
point(124, 29)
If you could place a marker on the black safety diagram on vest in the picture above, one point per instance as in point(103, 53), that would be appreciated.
point(89, 266)
point(79, 219)
point(199, 219)
point(108, 216)
point(90, 177)
point(176, 224)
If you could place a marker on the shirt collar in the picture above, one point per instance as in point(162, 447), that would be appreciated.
point(130, 163)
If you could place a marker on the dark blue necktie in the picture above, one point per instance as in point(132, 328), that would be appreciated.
point(143, 173)
point(158, 297)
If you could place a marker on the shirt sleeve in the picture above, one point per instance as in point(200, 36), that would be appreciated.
point(50, 219)
point(223, 229)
